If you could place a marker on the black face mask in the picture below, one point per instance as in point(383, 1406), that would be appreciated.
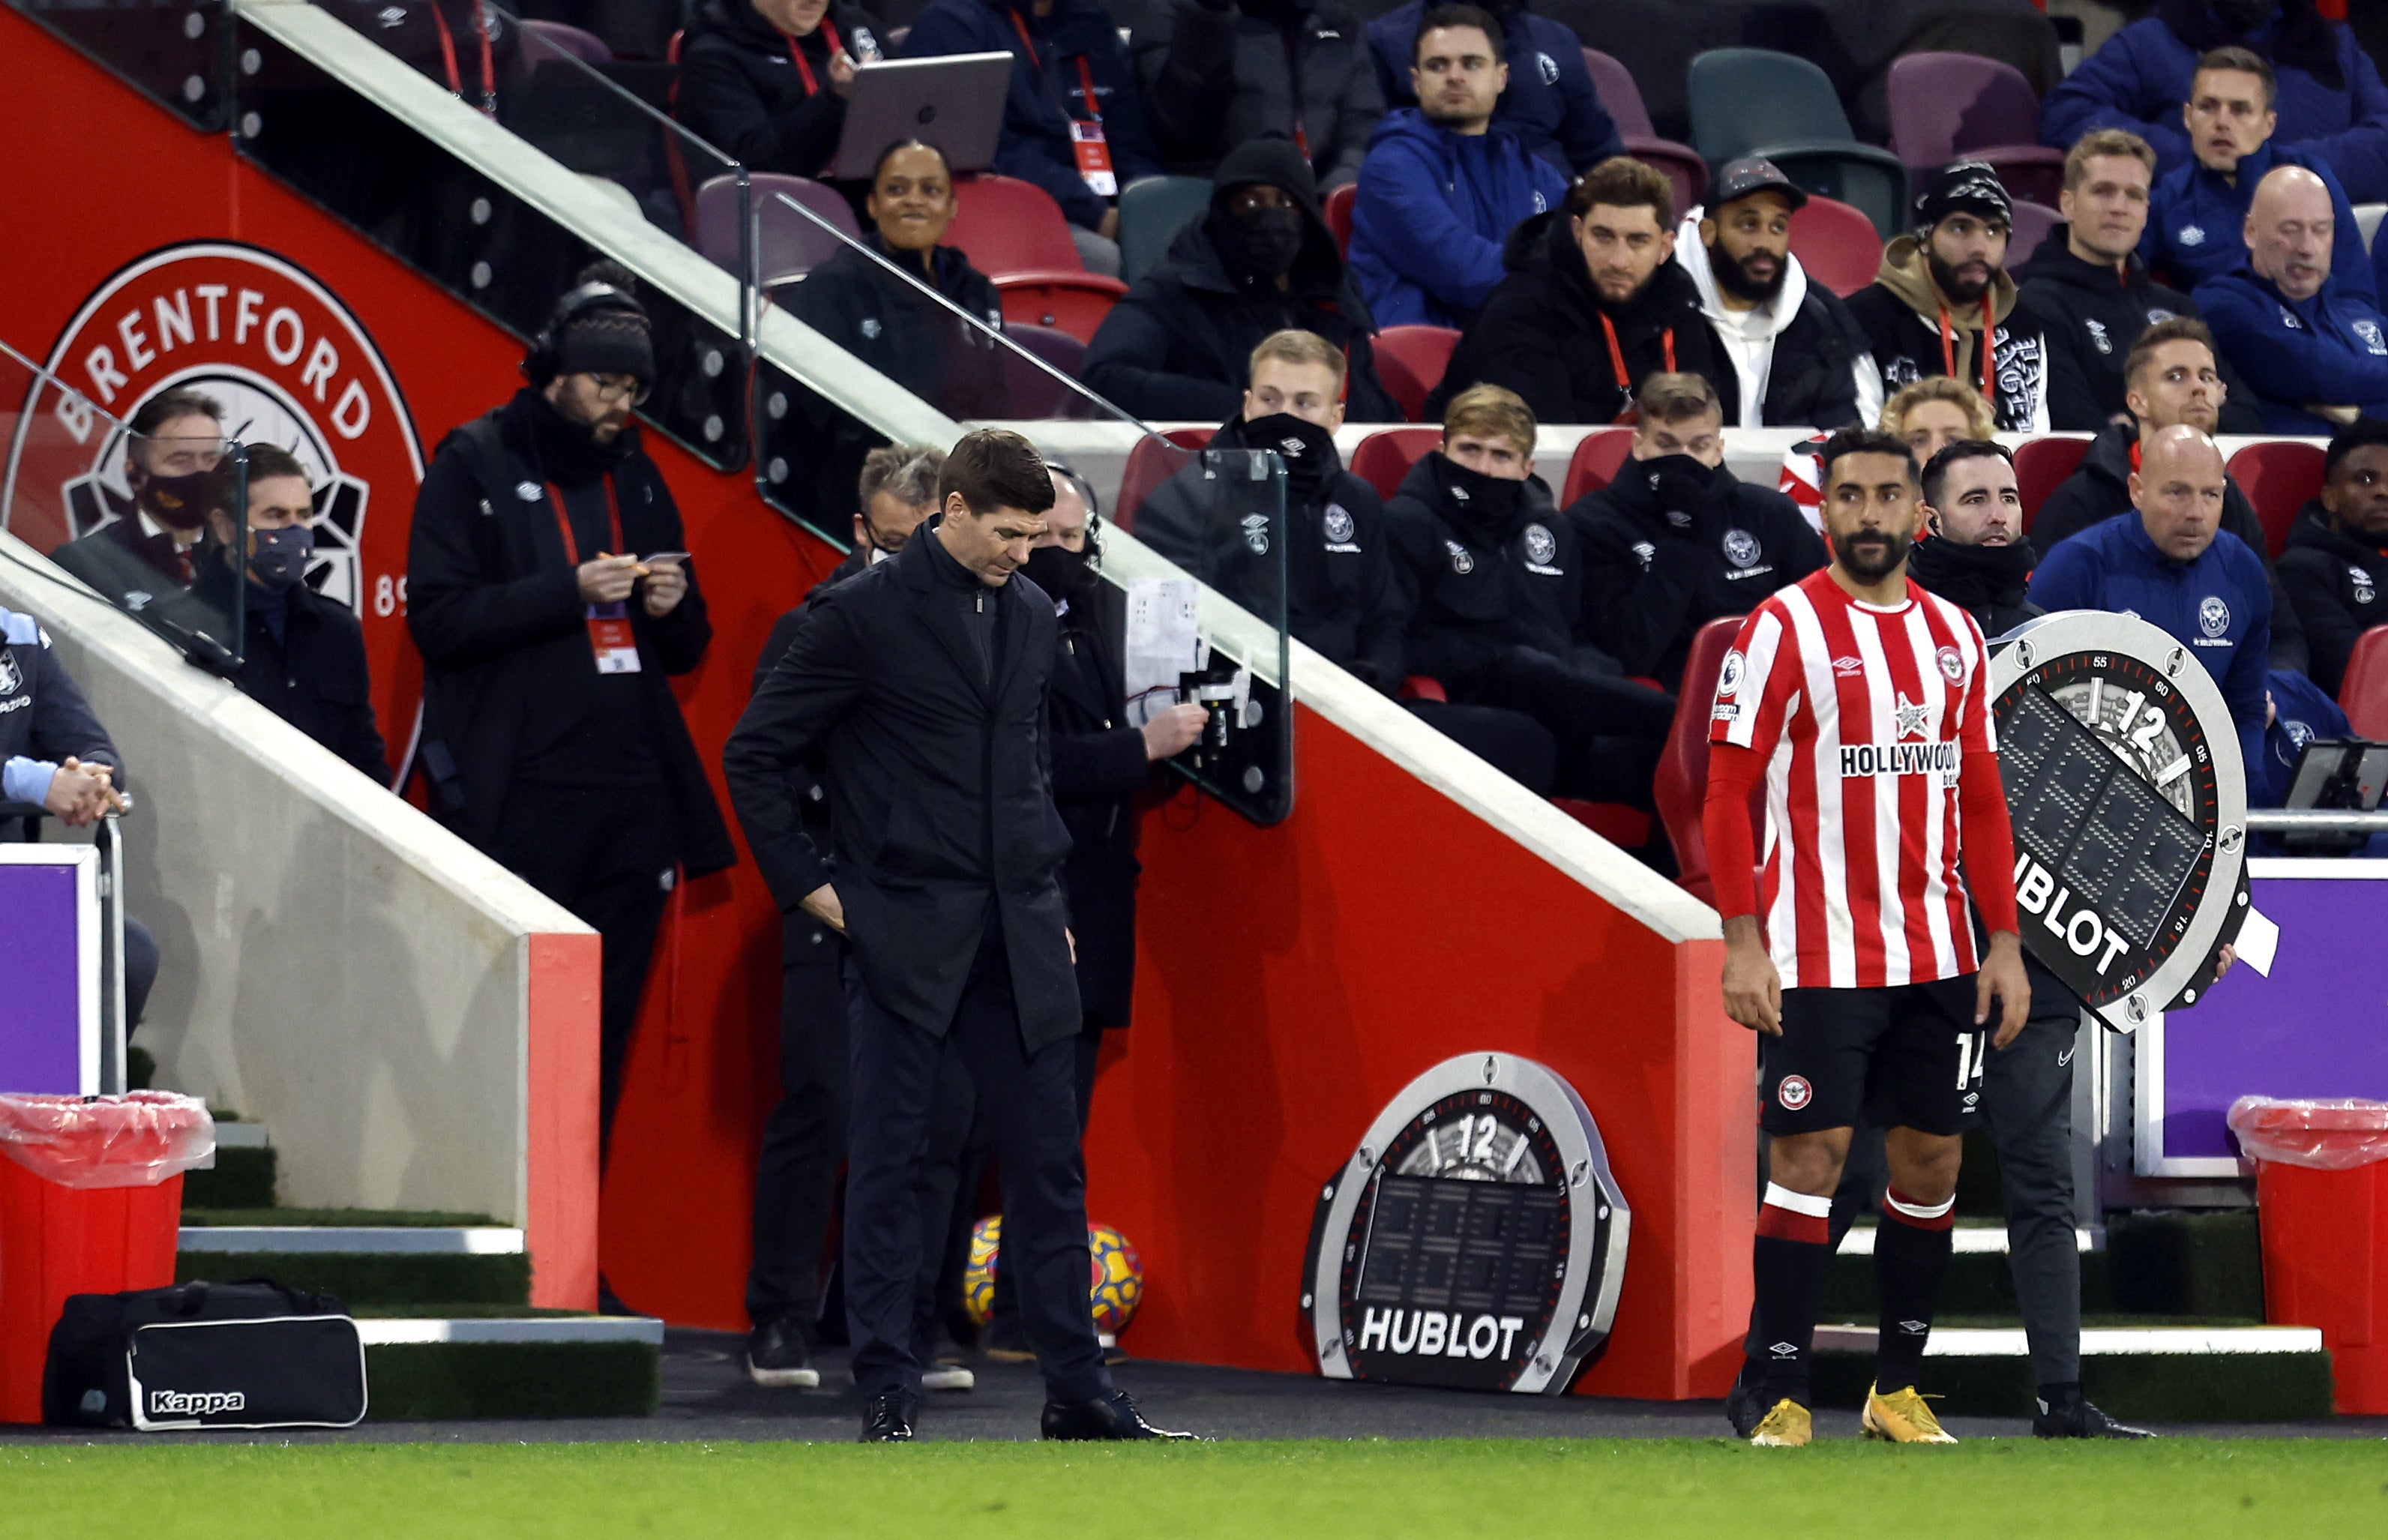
point(1060, 572)
point(177, 501)
point(1476, 498)
point(1681, 487)
point(1307, 449)
point(1260, 246)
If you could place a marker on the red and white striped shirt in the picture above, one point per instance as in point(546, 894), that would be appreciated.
point(1864, 715)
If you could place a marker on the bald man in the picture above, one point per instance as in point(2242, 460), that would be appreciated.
point(2314, 351)
point(2177, 568)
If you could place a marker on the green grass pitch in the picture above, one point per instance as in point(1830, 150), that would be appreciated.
point(2178, 1488)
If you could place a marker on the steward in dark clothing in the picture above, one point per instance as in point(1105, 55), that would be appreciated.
point(1342, 598)
point(586, 784)
point(2334, 581)
point(905, 334)
point(1671, 545)
point(763, 97)
point(2089, 315)
point(1986, 581)
point(1540, 332)
point(1550, 102)
point(1178, 344)
point(1216, 73)
point(2100, 489)
point(1077, 42)
point(1496, 581)
point(305, 662)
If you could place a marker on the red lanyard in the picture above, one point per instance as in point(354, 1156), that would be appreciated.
point(1949, 351)
point(812, 86)
point(1294, 77)
point(1086, 76)
point(1617, 358)
point(448, 57)
point(564, 523)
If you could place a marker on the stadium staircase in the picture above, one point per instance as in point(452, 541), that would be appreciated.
point(442, 1301)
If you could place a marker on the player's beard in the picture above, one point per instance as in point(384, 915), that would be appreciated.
point(1868, 561)
point(1731, 278)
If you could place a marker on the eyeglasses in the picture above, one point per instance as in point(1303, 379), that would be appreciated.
point(613, 388)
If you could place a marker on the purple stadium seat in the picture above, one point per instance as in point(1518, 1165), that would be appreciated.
point(1681, 164)
point(546, 39)
point(789, 244)
point(2032, 224)
point(1033, 392)
point(1963, 107)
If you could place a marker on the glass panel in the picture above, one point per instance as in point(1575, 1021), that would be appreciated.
point(176, 51)
point(510, 262)
point(154, 522)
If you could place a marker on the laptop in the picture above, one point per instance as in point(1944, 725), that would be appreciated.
point(954, 102)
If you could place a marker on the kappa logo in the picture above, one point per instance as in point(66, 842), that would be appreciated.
point(164, 1403)
point(2212, 615)
point(1549, 67)
point(1257, 534)
point(1849, 667)
point(1795, 1092)
point(1539, 545)
point(1912, 719)
point(2098, 335)
point(289, 366)
point(2354, 575)
point(2191, 234)
point(1729, 676)
point(2369, 331)
point(1741, 548)
point(1461, 562)
point(1337, 523)
point(1952, 662)
point(12, 678)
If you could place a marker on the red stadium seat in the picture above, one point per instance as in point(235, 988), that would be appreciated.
point(1679, 163)
point(1072, 302)
point(2278, 478)
point(1965, 107)
point(1338, 216)
point(1835, 244)
point(1594, 463)
point(1681, 786)
point(1151, 462)
point(2041, 466)
point(1013, 232)
point(2363, 694)
point(1410, 360)
point(1385, 455)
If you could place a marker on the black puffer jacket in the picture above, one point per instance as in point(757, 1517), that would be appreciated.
point(1482, 585)
point(899, 330)
point(742, 91)
point(2337, 585)
point(1179, 345)
point(1540, 335)
point(1986, 581)
point(2091, 316)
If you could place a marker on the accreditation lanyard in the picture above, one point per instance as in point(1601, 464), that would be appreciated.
point(1949, 351)
point(610, 638)
point(1294, 77)
point(829, 35)
point(1087, 139)
point(488, 62)
point(1617, 364)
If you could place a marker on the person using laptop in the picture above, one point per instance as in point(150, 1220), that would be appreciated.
point(766, 80)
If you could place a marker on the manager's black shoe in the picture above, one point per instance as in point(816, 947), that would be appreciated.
point(1113, 1416)
point(889, 1416)
point(2077, 1416)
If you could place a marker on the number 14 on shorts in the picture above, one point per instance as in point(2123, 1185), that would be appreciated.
point(1973, 1052)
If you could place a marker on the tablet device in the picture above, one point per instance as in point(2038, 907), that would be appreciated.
point(954, 102)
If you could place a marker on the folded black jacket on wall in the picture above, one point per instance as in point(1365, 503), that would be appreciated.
point(2091, 314)
point(1540, 332)
point(493, 604)
point(741, 91)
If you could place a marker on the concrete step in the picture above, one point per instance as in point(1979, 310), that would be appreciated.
point(387, 1330)
point(474, 1367)
point(355, 1240)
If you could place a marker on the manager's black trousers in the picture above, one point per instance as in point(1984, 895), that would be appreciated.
point(1032, 1098)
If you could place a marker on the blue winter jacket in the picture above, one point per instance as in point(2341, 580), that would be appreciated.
point(2138, 80)
point(1550, 103)
point(2197, 223)
point(2219, 605)
point(2329, 350)
point(1046, 91)
point(1432, 212)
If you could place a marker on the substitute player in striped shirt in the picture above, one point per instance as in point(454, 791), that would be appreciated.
point(1861, 705)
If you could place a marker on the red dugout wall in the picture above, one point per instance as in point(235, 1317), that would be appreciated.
point(1290, 979)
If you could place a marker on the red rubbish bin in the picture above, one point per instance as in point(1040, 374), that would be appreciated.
point(91, 1199)
point(2321, 1199)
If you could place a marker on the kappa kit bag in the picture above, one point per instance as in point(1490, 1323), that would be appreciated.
point(253, 1353)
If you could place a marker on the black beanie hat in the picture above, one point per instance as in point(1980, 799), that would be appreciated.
point(1972, 185)
point(609, 340)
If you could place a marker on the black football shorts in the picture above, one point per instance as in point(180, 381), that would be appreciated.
point(1904, 1057)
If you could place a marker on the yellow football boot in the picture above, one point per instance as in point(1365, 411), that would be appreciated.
point(1787, 1427)
point(1902, 1418)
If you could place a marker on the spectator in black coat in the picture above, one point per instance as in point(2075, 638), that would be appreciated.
point(1179, 345)
point(1594, 304)
point(305, 660)
point(898, 326)
point(1976, 555)
point(1219, 72)
point(2092, 292)
point(2335, 567)
point(2171, 380)
point(1495, 578)
point(765, 81)
point(1675, 541)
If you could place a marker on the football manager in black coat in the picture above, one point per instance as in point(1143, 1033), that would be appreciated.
point(924, 680)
